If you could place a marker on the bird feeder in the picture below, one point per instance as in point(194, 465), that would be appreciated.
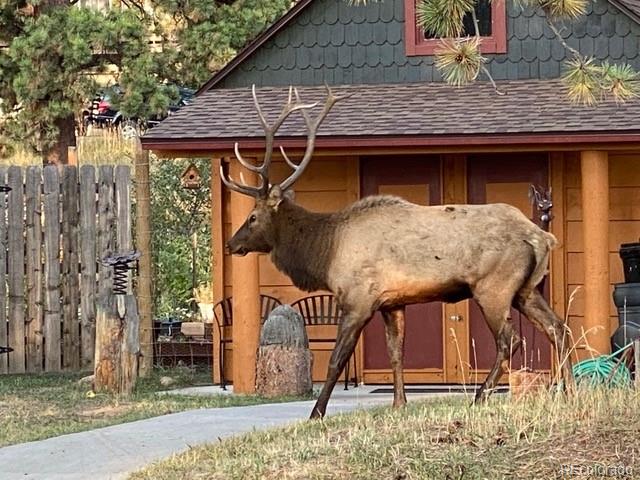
point(191, 178)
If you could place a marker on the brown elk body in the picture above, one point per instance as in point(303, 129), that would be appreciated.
point(383, 253)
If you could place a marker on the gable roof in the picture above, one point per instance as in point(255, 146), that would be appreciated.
point(426, 113)
point(526, 26)
point(255, 44)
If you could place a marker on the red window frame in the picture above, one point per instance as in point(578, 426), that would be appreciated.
point(416, 44)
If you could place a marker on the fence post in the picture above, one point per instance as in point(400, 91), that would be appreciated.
point(143, 242)
point(117, 340)
point(117, 327)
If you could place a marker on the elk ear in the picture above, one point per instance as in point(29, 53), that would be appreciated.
point(290, 195)
point(275, 197)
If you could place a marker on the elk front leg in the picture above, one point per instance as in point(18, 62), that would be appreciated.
point(394, 330)
point(348, 333)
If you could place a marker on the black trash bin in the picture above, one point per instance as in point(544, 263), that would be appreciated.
point(630, 255)
point(626, 294)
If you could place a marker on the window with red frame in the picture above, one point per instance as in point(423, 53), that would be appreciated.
point(492, 24)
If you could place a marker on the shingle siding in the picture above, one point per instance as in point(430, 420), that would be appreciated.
point(334, 42)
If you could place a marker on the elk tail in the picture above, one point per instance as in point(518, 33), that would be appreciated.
point(541, 248)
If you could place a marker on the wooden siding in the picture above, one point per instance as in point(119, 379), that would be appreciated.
point(624, 227)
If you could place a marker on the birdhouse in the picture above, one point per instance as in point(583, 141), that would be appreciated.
point(191, 178)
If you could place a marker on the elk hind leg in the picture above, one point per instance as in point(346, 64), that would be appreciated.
point(532, 304)
point(507, 343)
point(394, 331)
point(348, 333)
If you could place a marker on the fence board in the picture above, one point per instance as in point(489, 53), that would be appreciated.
point(34, 327)
point(88, 264)
point(55, 226)
point(15, 271)
point(52, 317)
point(70, 270)
point(106, 227)
point(123, 212)
point(4, 340)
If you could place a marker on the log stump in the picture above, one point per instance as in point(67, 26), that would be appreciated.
point(284, 359)
point(117, 345)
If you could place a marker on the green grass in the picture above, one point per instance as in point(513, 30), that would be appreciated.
point(34, 407)
point(532, 438)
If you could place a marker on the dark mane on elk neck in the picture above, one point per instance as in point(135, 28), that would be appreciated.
point(304, 245)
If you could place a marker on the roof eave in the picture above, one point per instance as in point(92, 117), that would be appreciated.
point(626, 10)
point(558, 140)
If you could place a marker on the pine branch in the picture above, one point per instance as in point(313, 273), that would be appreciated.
point(558, 35)
point(485, 70)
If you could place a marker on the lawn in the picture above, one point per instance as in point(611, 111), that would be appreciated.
point(596, 435)
point(33, 407)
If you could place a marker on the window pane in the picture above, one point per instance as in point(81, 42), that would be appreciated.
point(483, 12)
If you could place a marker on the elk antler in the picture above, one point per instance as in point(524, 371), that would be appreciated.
point(312, 129)
point(269, 134)
point(262, 170)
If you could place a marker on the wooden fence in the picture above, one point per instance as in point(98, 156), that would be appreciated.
point(56, 224)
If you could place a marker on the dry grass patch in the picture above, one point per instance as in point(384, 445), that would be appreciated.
point(435, 439)
point(33, 407)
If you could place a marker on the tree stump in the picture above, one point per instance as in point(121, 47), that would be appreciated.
point(117, 345)
point(284, 359)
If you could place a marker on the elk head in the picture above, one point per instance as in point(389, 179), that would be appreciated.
point(257, 233)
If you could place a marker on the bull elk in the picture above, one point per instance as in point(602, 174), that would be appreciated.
point(383, 253)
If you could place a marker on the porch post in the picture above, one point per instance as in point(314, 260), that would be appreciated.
point(246, 291)
point(217, 254)
point(595, 228)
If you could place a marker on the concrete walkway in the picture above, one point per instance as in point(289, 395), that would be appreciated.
point(113, 452)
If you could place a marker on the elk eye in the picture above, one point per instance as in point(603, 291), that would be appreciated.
point(252, 218)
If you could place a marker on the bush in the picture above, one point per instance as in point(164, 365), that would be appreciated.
point(181, 232)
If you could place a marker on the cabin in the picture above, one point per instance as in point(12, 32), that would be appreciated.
point(405, 132)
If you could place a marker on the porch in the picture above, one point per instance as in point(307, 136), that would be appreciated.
point(596, 209)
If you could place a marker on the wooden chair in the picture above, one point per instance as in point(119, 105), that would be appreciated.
point(223, 314)
point(323, 309)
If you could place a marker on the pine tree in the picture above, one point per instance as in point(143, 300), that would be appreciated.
point(54, 51)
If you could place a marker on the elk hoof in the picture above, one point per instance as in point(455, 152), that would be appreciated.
point(316, 414)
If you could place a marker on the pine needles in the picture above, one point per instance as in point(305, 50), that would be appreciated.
point(460, 60)
point(443, 18)
point(588, 83)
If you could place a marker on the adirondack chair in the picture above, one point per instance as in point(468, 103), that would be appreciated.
point(323, 309)
point(223, 314)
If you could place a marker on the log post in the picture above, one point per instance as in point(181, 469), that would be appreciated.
point(595, 228)
point(284, 359)
point(117, 342)
point(143, 243)
point(217, 253)
point(246, 293)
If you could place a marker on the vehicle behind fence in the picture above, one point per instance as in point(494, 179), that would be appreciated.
point(56, 223)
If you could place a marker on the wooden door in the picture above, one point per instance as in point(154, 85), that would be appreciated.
point(417, 179)
point(506, 179)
